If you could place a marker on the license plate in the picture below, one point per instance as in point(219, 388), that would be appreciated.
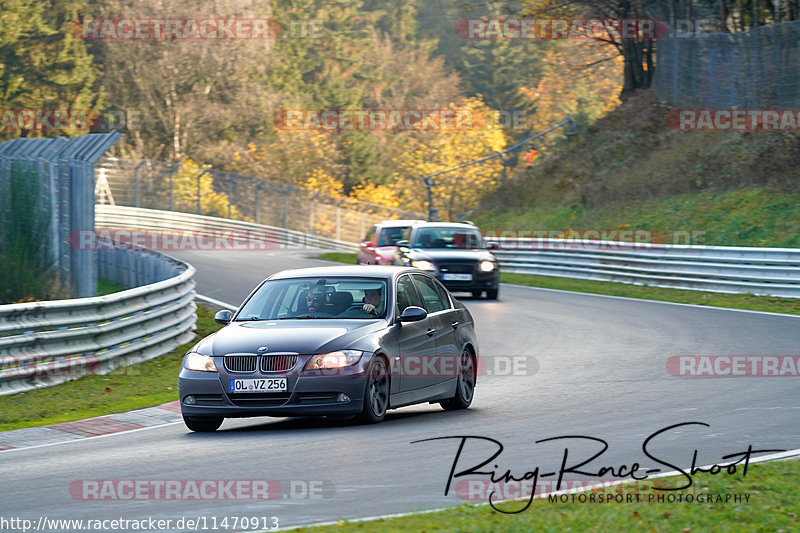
point(257, 385)
point(457, 277)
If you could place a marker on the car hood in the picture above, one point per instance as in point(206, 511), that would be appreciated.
point(306, 336)
point(437, 255)
point(386, 252)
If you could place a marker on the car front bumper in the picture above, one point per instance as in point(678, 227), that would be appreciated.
point(307, 394)
point(480, 281)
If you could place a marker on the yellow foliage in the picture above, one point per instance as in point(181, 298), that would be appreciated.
point(376, 194)
point(184, 192)
point(292, 157)
point(320, 181)
point(459, 191)
point(579, 78)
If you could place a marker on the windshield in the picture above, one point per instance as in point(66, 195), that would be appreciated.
point(456, 238)
point(332, 298)
point(390, 236)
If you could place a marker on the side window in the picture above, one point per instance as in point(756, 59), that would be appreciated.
point(370, 236)
point(406, 294)
point(433, 303)
point(390, 236)
point(444, 296)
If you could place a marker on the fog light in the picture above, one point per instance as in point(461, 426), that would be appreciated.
point(343, 398)
point(189, 400)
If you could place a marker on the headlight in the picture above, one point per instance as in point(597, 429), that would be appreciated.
point(486, 266)
point(338, 359)
point(423, 265)
point(201, 363)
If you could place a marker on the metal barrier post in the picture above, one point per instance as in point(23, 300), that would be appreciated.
point(136, 195)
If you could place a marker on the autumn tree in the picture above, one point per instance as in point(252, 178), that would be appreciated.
point(193, 95)
point(457, 192)
point(186, 189)
point(638, 54)
point(580, 79)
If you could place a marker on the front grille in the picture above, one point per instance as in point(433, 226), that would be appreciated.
point(240, 363)
point(260, 400)
point(457, 268)
point(277, 363)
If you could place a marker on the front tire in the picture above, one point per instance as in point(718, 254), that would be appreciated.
point(376, 393)
point(205, 424)
point(465, 388)
point(491, 294)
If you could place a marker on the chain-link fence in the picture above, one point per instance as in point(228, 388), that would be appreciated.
point(756, 69)
point(46, 192)
point(191, 188)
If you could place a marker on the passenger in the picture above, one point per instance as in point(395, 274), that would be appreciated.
point(315, 301)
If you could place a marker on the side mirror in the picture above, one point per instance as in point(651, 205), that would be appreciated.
point(223, 317)
point(402, 245)
point(492, 246)
point(369, 245)
point(413, 313)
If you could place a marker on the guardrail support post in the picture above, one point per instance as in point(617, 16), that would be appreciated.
point(136, 194)
point(230, 193)
point(171, 174)
point(199, 210)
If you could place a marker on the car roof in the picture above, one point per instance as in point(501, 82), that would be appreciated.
point(367, 271)
point(393, 223)
point(454, 225)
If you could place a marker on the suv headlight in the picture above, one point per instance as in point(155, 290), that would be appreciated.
point(200, 363)
point(336, 359)
point(486, 266)
point(423, 265)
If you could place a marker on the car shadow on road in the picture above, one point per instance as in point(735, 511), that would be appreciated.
point(393, 419)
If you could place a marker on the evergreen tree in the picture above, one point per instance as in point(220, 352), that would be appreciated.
point(43, 65)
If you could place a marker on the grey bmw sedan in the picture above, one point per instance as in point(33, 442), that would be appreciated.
point(350, 340)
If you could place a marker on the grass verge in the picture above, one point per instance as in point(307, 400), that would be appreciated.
point(134, 387)
point(735, 301)
point(107, 287)
point(772, 506)
point(339, 257)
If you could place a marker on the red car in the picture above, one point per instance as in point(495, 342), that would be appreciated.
point(379, 244)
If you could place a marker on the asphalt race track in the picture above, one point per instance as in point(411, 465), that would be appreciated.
point(585, 366)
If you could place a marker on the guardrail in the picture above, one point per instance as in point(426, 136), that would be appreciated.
point(256, 236)
point(725, 269)
point(46, 343)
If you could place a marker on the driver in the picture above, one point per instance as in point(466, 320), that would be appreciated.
point(373, 302)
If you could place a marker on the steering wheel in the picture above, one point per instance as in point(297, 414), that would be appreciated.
point(360, 307)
